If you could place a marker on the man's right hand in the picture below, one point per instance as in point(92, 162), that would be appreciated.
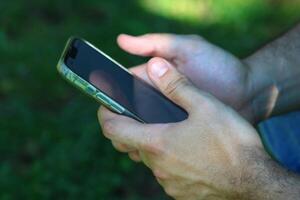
point(209, 67)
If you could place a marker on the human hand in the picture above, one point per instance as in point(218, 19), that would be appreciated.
point(202, 157)
point(207, 66)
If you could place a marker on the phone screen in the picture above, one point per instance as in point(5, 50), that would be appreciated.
point(132, 93)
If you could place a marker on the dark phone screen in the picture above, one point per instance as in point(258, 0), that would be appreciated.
point(129, 91)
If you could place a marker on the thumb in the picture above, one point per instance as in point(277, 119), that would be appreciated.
point(172, 84)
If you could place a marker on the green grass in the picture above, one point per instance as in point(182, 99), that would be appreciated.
point(50, 141)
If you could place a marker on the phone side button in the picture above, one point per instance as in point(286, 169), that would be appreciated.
point(102, 97)
point(90, 90)
point(116, 107)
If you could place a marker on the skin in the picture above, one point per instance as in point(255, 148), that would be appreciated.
point(206, 65)
point(275, 72)
point(228, 160)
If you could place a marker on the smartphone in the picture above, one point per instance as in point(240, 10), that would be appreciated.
point(112, 85)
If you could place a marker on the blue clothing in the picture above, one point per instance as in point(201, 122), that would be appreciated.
point(281, 137)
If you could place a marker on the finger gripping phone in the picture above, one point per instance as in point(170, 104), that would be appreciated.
point(104, 79)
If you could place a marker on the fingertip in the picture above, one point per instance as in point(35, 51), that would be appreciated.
point(123, 38)
point(125, 35)
point(120, 39)
point(137, 45)
point(128, 43)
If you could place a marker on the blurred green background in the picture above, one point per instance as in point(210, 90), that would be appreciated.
point(50, 142)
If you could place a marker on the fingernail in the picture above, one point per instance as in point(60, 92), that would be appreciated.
point(159, 69)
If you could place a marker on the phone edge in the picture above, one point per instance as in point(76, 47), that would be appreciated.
point(88, 88)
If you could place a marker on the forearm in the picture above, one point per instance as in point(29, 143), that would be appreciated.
point(275, 76)
point(266, 179)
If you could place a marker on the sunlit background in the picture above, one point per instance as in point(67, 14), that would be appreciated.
point(50, 141)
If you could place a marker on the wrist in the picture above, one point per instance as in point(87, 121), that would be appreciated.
point(273, 87)
point(263, 89)
point(263, 178)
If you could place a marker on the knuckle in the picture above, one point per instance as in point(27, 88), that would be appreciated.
point(174, 85)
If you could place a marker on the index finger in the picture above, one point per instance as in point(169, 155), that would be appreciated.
point(129, 131)
point(159, 44)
